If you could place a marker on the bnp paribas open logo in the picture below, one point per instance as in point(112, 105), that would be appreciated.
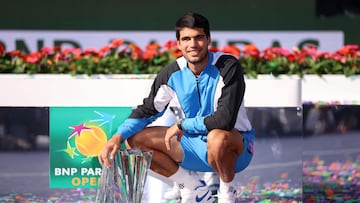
point(82, 146)
point(88, 141)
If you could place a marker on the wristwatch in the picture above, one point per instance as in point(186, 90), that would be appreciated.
point(179, 124)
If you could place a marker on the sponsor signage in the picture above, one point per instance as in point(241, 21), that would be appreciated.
point(30, 41)
point(77, 135)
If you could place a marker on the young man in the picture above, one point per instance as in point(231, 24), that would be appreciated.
point(213, 134)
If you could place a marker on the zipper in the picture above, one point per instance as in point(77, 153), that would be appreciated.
point(198, 90)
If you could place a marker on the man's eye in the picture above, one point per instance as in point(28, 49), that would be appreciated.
point(199, 37)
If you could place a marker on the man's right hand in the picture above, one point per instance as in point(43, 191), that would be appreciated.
point(111, 147)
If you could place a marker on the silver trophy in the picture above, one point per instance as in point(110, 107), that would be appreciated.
point(124, 181)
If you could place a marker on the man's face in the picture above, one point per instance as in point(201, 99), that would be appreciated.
point(193, 44)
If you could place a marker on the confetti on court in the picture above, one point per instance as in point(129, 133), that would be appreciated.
point(282, 190)
point(337, 181)
point(63, 196)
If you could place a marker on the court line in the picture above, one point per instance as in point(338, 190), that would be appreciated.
point(275, 165)
point(331, 152)
point(22, 174)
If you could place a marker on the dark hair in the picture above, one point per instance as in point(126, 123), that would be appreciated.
point(192, 20)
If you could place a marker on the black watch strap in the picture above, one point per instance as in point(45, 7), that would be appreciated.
point(179, 124)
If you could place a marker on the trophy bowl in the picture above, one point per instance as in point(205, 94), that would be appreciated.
point(124, 181)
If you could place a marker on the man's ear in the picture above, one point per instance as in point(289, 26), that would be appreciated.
point(209, 40)
point(178, 44)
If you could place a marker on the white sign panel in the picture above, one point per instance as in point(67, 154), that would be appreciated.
point(35, 40)
point(66, 90)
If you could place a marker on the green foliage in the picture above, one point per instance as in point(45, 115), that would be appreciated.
point(122, 58)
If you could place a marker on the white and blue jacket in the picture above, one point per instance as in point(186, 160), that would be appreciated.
point(213, 100)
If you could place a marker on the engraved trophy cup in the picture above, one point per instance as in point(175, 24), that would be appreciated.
point(124, 181)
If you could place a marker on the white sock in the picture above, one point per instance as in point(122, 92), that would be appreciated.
point(226, 187)
point(185, 179)
point(160, 177)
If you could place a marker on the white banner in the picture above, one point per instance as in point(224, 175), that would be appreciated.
point(34, 40)
point(66, 90)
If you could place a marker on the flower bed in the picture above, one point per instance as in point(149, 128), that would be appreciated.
point(120, 57)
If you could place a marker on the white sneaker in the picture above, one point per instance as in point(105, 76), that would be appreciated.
point(212, 180)
point(200, 194)
point(227, 197)
point(172, 194)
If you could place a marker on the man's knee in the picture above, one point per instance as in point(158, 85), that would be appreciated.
point(224, 140)
point(217, 139)
point(147, 136)
point(136, 140)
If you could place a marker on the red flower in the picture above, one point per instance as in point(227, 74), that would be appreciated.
point(348, 49)
point(310, 51)
point(292, 57)
point(153, 46)
point(33, 57)
point(67, 51)
point(46, 50)
point(72, 52)
point(149, 54)
point(15, 53)
point(176, 53)
point(91, 51)
point(170, 45)
point(77, 53)
point(2, 49)
point(252, 50)
point(339, 57)
point(213, 49)
point(57, 48)
point(325, 55)
point(357, 53)
point(136, 52)
point(116, 43)
point(269, 53)
point(152, 50)
point(103, 50)
point(232, 49)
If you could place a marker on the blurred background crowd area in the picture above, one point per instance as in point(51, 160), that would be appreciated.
point(27, 128)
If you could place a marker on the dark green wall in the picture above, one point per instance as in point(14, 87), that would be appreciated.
point(161, 14)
